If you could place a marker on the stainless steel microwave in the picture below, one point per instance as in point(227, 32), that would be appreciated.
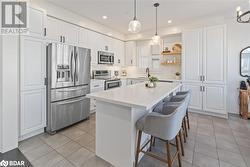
point(105, 57)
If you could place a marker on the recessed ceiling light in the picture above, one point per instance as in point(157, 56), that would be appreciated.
point(169, 21)
point(104, 17)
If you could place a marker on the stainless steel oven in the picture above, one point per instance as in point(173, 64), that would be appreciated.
point(110, 84)
point(105, 57)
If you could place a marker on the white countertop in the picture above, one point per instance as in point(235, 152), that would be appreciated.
point(161, 78)
point(137, 95)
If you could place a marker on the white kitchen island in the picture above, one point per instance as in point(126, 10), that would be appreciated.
point(117, 111)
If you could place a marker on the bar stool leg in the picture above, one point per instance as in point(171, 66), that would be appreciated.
point(185, 127)
point(183, 133)
point(138, 147)
point(168, 154)
point(151, 143)
point(178, 150)
point(188, 119)
point(181, 141)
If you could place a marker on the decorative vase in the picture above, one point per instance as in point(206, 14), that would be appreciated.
point(152, 84)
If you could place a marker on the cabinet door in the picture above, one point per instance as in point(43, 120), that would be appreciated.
point(53, 31)
point(33, 110)
point(214, 65)
point(130, 53)
point(70, 33)
point(33, 64)
point(119, 52)
point(196, 98)
point(214, 98)
point(192, 55)
point(36, 22)
point(144, 54)
point(84, 38)
point(94, 45)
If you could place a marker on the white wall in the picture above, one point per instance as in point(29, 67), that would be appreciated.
point(9, 92)
point(238, 38)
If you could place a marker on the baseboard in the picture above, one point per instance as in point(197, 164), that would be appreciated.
point(31, 134)
point(209, 113)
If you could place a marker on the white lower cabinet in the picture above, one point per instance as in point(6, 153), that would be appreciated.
point(207, 98)
point(196, 100)
point(95, 86)
point(33, 111)
point(214, 98)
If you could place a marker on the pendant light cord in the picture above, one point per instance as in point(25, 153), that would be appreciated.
point(156, 33)
point(134, 9)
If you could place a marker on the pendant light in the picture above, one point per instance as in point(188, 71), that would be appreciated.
point(134, 25)
point(156, 38)
point(243, 17)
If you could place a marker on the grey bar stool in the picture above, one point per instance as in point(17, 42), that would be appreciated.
point(164, 125)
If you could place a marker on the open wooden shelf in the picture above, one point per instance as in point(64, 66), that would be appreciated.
point(171, 53)
point(175, 63)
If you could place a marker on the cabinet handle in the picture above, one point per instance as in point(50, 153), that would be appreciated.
point(131, 62)
point(200, 77)
point(63, 39)
point(201, 88)
point(45, 32)
point(60, 38)
point(203, 77)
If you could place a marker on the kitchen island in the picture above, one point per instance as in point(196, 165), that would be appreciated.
point(117, 111)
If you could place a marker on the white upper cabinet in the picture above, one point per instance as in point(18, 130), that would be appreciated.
point(214, 66)
point(130, 53)
point(70, 33)
point(119, 51)
point(84, 38)
point(36, 22)
point(61, 31)
point(192, 55)
point(52, 29)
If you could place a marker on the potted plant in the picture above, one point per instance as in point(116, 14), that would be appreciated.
point(152, 81)
point(178, 75)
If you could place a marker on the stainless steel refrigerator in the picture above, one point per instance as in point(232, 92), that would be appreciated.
point(68, 82)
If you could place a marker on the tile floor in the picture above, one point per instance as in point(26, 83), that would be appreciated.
point(212, 142)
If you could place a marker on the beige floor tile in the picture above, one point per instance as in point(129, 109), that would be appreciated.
point(208, 140)
point(243, 141)
point(91, 146)
point(96, 162)
point(228, 137)
point(68, 148)
point(232, 158)
point(63, 163)
point(205, 161)
point(30, 144)
point(206, 150)
point(226, 145)
point(38, 152)
point(48, 160)
point(80, 157)
point(206, 132)
point(188, 156)
point(225, 164)
point(56, 140)
point(72, 132)
point(84, 139)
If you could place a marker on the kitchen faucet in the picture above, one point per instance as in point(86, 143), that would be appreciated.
point(147, 72)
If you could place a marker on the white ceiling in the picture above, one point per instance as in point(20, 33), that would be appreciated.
point(120, 12)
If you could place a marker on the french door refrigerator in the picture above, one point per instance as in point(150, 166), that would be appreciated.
point(68, 82)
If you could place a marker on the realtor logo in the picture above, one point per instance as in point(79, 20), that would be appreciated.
point(4, 163)
point(14, 17)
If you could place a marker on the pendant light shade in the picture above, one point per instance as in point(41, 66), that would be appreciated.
point(156, 38)
point(134, 25)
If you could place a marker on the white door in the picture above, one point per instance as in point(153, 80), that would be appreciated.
point(36, 22)
point(214, 65)
point(192, 55)
point(32, 90)
point(70, 33)
point(196, 98)
point(53, 29)
point(214, 98)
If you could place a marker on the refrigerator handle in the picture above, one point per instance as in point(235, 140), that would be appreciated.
point(71, 64)
point(76, 66)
